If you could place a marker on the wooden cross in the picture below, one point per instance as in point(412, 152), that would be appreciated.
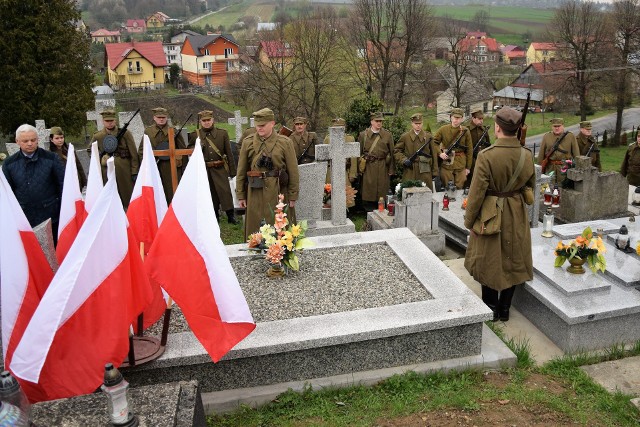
point(172, 152)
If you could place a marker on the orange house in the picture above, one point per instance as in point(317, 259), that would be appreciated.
point(208, 60)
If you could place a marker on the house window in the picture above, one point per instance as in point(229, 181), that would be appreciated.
point(482, 49)
point(485, 107)
point(172, 57)
point(228, 52)
point(230, 66)
point(207, 66)
point(207, 80)
point(206, 52)
point(545, 52)
point(138, 67)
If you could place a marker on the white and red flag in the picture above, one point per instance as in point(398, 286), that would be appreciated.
point(203, 282)
point(94, 178)
point(72, 211)
point(84, 317)
point(146, 210)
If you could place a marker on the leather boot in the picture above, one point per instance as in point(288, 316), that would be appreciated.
point(490, 298)
point(504, 303)
point(231, 217)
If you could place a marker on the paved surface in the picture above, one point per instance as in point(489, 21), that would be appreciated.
point(618, 375)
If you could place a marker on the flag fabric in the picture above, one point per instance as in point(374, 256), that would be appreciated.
point(84, 317)
point(146, 210)
point(25, 272)
point(72, 211)
point(94, 178)
point(203, 284)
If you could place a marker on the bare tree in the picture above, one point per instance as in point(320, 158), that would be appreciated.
point(480, 20)
point(460, 66)
point(625, 27)
point(581, 30)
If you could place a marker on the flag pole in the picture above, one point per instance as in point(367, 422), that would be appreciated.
point(141, 315)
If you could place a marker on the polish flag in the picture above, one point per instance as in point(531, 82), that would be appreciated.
point(25, 273)
point(94, 178)
point(72, 212)
point(203, 284)
point(146, 210)
point(84, 317)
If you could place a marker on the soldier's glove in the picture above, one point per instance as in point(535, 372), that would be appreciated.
point(407, 163)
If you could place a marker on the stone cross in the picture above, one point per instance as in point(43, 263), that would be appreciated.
point(100, 106)
point(43, 134)
point(96, 117)
point(338, 152)
point(238, 120)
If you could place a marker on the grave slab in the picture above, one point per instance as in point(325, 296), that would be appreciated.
point(309, 203)
point(570, 231)
point(617, 375)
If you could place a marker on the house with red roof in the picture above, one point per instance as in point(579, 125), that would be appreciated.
point(275, 52)
point(513, 55)
point(209, 60)
point(481, 49)
point(105, 36)
point(136, 26)
point(157, 20)
point(542, 52)
point(135, 65)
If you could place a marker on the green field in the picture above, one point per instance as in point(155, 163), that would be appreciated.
point(231, 14)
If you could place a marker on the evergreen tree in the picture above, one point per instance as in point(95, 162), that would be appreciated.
point(45, 68)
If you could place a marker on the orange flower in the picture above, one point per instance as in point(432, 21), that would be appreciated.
point(275, 253)
point(560, 245)
point(327, 188)
point(581, 241)
point(254, 240)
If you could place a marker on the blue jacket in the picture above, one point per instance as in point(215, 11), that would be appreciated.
point(37, 184)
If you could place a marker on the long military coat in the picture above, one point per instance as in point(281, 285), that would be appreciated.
point(631, 164)
point(261, 202)
point(568, 149)
point(501, 260)
point(476, 132)
point(62, 153)
point(127, 162)
point(584, 144)
point(218, 176)
point(301, 142)
point(424, 167)
point(375, 179)
point(446, 136)
point(158, 135)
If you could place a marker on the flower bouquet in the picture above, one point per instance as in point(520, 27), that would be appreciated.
point(408, 184)
point(326, 197)
point(584, 248)
point(282, 241)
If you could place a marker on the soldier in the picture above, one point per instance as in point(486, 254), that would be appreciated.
point(159, 136)
point(567, 148)
point(267, 166)
point(127, 161)
point(376, 164)
point(218, 158)
point(352, 163)
point(245, 133)
point(457, 166)
point(424, 165)
point(304, 141)
point(630, 167)
point(586, 141)
point(477, 131)
point(58, 145)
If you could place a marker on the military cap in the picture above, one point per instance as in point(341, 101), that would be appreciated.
point(508, 119)
point(556, 121)
point(586, 125)
point(338, 121)
point(56, 130)
point(456, 112)
point(160, 112)
point(108, 114)
point(377, 115)
point(300, 120)
point(205, 114)
point(263, 116)
point(477, 113)
point(416, 118)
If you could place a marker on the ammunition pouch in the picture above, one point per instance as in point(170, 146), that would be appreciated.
point(362, 164)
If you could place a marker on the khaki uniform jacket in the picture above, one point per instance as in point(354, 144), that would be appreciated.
point(158, 135)
point(568, 149)
point(127, 162)
point(375, 179)
point(261, 202)
point(446, 136)
point(501, 260)
point(631, 164)
point(62, 153)
point(351, 165)
point(301, 142)
point(584, 144)
point(218, 175)
point(424, 168)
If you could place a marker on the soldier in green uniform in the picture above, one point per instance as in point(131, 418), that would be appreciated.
point(304, 141)
point(630, 167)
point(352, 162)
point(477, 130)
point(457, 167)
point(218, 158)
point(376, 147)
point(424, 166)
point(127, 161)
point(568, 148)
point(585, 141)
point(58, 145)
point(267, 166)
point(159, 136)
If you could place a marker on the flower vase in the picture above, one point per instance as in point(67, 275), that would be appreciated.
point(576, 266)
point(276, 270)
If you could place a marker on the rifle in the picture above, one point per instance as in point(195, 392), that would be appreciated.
point(545, 161)
point(304, 153)
point(521, 134)
point(418, 152)
point(592, 148)
point(285, 131)
point(476, 148)
point(454, 146)
point(110, 142)
point(184, 124)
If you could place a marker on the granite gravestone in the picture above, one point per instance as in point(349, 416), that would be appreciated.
point(136, 127)
point(309, 203)
point(44, 234)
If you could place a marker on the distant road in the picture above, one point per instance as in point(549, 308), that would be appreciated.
point(197, 18)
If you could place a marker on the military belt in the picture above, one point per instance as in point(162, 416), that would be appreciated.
point(267, 174)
